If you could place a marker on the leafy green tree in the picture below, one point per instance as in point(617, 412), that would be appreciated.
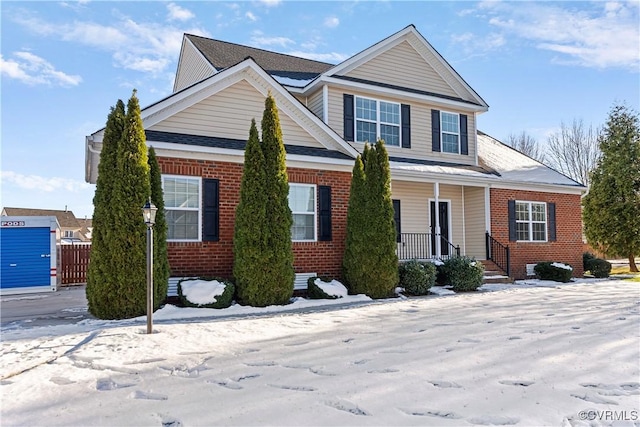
point(612, 205)
point(99, 278)
point(125, 294)
point(250, 222)
point(161, 269)
point(370, 265)
point(263, 267)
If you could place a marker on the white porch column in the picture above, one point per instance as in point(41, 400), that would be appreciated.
point(436, 196)
point(487, 209)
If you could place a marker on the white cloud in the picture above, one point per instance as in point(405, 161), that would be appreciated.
point(34, 70)
point(599, 35)
point(145, 47)
point(261, 41)
point(177, 13)
point(331, 22)
point(271, 3)
point(44, 184)
point(474, 45)
point(251, 16)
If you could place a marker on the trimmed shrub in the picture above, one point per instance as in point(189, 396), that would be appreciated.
point(553, 271)
point(417, 277)
point(600, 267)
point(316, 292)
point(463, 273)
point(223, 300)
point(587, 257)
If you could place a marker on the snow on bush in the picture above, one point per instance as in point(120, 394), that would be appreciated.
point(417, 277)
point(319, 289)
point(206, 293)
point(555, 271)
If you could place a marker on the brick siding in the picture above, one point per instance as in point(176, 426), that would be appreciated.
point(216, 258)
point(568, 246)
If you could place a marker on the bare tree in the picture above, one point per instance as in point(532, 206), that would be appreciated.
point(526, 144)
point(574, 150)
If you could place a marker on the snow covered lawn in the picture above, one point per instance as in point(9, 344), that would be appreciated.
point(524, 355)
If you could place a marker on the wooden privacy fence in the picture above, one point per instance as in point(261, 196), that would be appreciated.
point(74, 262)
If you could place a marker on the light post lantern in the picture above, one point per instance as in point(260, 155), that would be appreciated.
point(149, 214)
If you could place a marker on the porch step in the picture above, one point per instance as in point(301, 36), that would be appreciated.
point(494, 274)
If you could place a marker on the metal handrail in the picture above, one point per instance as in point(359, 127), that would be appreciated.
point(498, 253)
point(421, 246)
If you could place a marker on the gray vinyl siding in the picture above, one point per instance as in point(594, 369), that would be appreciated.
point(474, 221)
point(420, 128)
point(192, 69)
point(403, 66)
point(228, 114)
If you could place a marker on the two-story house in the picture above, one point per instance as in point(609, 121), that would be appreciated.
point(454, 188)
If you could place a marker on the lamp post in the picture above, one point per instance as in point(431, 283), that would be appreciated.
point(149, 213)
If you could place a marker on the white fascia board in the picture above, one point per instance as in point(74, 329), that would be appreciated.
point(543, 188)
point(376, 90)
point(452, 179)
point(167, 149)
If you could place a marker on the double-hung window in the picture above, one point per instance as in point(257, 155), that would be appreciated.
point(531, 221)
point(302, 202)
point(182, 207)
point(377, 119)
point(450, 132)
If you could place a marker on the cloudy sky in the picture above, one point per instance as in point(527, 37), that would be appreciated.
point(64, 64)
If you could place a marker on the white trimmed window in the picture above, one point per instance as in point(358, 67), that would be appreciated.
point(450, 132)
point(377, 119)
point(302, 202)
point(531, 221)
point(67, 234)
point(182, 207)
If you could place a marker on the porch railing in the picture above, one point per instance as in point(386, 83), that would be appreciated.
point(422, 246)
point(498, 253)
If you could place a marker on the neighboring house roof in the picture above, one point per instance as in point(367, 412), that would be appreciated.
point(223, 55)
point(66, 218)
point(514, 166)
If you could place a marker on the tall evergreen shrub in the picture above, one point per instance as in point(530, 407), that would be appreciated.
point(100, 281)
point(161, 269)
point(250, 222)
point(371, 266)
point(125, 295)
point(267, 242)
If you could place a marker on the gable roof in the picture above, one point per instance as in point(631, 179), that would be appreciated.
point(466, 94)
point(514, 166)
point(223, 55)
point(66, 218)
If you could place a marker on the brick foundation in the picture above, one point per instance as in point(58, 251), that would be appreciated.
point(568, 246)
point(216, 258)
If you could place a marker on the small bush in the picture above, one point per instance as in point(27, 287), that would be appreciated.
point(600, 267)
point(587, 257)
point(417, 277)
point(552, 271)
point(221, 301)
point(316, 292)
point(463, 273)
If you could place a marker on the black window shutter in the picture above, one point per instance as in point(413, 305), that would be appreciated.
point(435, 130)
point(396, 218)
point(211, 210)
point(405, 113)
point(324, 213)
point(551, 212)
point(513, 236)
point(464, 135)
point(349, 123)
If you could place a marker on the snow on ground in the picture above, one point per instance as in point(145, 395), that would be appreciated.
point(510, 355)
